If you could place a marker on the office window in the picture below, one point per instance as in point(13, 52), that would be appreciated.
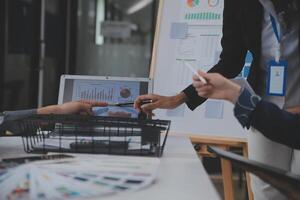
point(114, 37)
point(19, 51)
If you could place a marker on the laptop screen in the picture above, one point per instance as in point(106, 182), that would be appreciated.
point(107, 89)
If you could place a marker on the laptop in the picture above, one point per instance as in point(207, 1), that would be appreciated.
point(100, 138)
point(104, 88)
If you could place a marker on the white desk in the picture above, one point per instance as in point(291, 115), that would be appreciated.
point(181, 174)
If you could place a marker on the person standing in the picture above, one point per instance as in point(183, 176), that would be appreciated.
point(251, 111)
point(269, 29)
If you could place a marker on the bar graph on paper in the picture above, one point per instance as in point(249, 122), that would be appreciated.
point(202, 16)
point(203, 12)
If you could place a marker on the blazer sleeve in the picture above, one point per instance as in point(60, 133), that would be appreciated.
point(232, 57)
point(8, 119)
point(274, 123)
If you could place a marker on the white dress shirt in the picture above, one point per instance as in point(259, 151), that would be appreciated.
point(289, 46)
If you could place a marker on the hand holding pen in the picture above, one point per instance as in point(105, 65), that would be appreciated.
point(196, 74)
point(157, 101)
point(217, 87)
point(126, 104)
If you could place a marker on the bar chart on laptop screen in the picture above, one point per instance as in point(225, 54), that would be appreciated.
point(108, 91)
point(99, 94)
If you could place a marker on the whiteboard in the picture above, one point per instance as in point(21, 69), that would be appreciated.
point(190, 31)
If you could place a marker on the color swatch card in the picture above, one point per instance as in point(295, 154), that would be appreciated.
point(84, 176)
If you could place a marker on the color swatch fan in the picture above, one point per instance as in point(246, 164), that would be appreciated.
point(84, 176)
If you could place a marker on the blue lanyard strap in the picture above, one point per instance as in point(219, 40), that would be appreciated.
point(274, 26)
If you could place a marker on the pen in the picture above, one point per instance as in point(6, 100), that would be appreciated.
point(129, 103)
point(195, 72)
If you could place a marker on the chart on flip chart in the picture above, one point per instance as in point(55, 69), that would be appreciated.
point(190, 31)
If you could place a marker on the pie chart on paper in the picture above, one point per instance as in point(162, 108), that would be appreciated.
point(213, 3)
point(193, 3)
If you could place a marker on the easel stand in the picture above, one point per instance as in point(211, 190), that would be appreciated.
point(225, 144)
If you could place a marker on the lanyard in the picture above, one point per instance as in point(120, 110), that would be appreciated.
point(275, 29)
point(276, 32)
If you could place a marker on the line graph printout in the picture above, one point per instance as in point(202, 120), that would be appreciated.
point(108, 91)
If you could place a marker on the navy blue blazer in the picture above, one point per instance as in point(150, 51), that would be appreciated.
point(276, 124)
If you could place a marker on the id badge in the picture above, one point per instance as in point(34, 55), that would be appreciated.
point(276, 84)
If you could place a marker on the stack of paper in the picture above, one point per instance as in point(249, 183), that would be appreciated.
point(84, 176)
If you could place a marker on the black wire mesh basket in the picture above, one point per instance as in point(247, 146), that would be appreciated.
point(91, 134)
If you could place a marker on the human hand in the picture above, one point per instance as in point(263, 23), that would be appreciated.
point(294, 110)
point(157, 101)
point(217, 87)
point(73, 107)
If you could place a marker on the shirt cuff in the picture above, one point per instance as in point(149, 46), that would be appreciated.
point(245, 105)
point(19, 114)
point(193, 100)
point(8, 118)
